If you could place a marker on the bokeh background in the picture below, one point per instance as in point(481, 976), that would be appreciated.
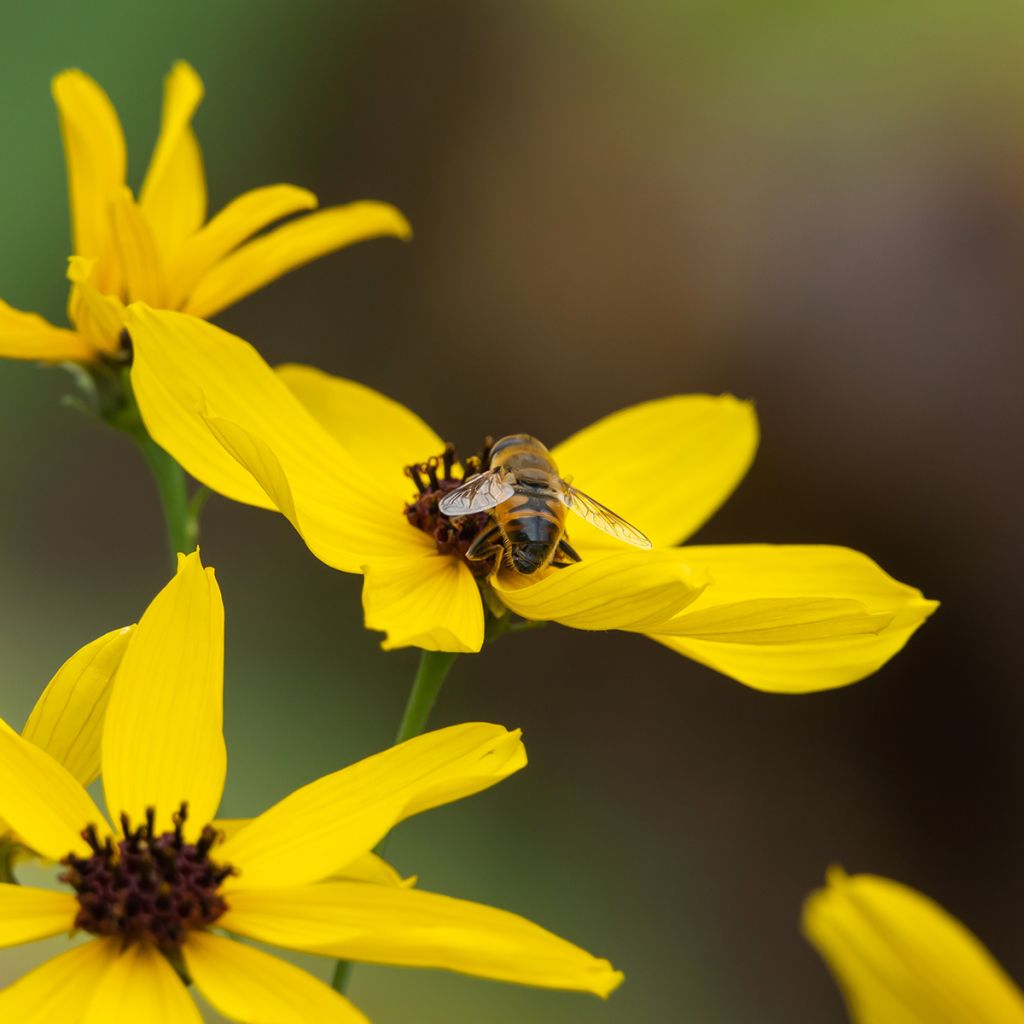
point(816, 205)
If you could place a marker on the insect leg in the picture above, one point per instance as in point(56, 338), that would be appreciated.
point(565, 554)
point(486, 545)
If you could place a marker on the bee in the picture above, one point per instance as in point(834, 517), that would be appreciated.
point(528, 499)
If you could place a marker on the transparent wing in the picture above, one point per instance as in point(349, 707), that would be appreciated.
point(603, 518)
point(477, 494)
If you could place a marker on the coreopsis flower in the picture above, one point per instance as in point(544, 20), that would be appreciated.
point(156, 883)
point(899, 958)
point(158, 246)
point(335, 458)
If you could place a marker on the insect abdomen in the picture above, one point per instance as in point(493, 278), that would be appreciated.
point(532, 524)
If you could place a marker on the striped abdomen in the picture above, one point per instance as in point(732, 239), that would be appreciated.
point(532, 523)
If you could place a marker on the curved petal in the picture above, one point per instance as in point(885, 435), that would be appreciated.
point(162, 741)
point(67, 721)
point(901, 959)
point(41, 801)
point(378, 432)
point(240, 219)
point(27, 914)
point(329, 823)
point(29, 336)
point(431, 602)
point(173, 195)
point(411, 928)
point(794, 619)
point(140, 985)
point(137, 250)
point(60, 989)
point(210, 400)
point(247, 985)
point(95, 153)
point(632, 590)
point(98, 317)
point(269, 257)
point(664, 466)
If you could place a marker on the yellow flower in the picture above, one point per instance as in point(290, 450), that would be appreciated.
point(330, 454)
point(159, 248)
point(901, 959)
point(157, 889)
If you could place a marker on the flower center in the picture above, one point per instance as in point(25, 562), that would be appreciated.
point(147, 887)
point(435, 478)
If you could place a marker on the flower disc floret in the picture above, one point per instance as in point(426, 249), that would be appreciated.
point(148, 887)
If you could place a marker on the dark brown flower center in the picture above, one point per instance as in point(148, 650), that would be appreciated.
point(147, 887)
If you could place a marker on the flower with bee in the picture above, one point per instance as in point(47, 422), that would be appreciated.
point(335, 458)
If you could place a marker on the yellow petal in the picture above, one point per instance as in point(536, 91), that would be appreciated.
point(41, 801)
point(28, 914)
point(431, 602)
point(173, 196)
point(95, 153)
point(794, 619)
point(664, 466)
point(58, 990)
point(210, 400)
point(378, 432)
point(29, 336)
point(67, 721)
point(271, 256)
point(370, 868)
point(140, 985)
point(240, 219)
point(137, 250)
point(329, 823)
point(632, 590)
point(98, 317)
point(411, 928)
point(247, 985)
point(901, 959)
point(163, 742)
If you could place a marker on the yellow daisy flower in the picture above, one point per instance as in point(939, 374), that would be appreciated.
point(155, 888)
point(900, 958)
point(331, 456)
point(159, 247)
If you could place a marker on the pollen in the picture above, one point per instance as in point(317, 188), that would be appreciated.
point(435, 478)
point(148, 887)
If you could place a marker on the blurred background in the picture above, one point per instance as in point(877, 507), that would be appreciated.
point(816, 205)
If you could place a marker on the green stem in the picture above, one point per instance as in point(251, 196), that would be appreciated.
point(7, 854)
point(342, 973)
point(179, 513)
point(433, 669)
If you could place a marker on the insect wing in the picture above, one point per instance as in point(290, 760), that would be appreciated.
point(603, 518)
point(477, 494)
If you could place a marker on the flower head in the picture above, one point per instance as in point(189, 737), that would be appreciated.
point(157, 881)
point(332, 456)
point(898, 956)
point(158, 246)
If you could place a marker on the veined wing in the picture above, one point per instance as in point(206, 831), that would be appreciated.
point(602, 517)
point(477, 494)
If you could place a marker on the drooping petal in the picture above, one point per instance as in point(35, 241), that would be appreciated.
point(632, 590)
point(140, 985)
point(328, 823)
point(137, 250)
point(98, 317)
point(27, 914)
point(67, 721)
point(61, 988)
point(431, 602)
point(240, 219)
point(41, 801)
point(794, 619)
point(269, 257)
point(412, 928)
point(253, 987)
point(210, 400)
point(901, 959)
point(95, 153)
point(173, 195)
point(163, 741)
point(378, 432)
point(665, 466)
point(28, 336)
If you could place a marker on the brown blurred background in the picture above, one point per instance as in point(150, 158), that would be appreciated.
point(819, 206)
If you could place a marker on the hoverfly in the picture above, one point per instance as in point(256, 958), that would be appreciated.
point(528, 499)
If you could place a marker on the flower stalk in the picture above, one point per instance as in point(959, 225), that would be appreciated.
point(431, 673)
